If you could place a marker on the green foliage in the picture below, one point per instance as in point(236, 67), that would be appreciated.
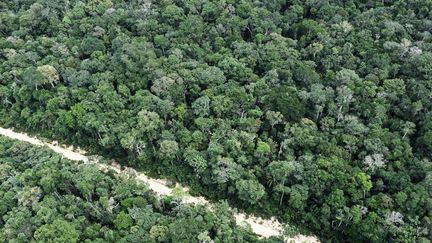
point(250, 190)
point(317, 112)
point(58, 231)
point(91, 44)
point(284, 99)
point(123, 221)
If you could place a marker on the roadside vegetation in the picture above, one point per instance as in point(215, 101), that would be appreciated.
point(44, 198)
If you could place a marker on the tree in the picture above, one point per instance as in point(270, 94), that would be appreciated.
point(250, 191)
point(98, 6)
point(344, 98)
point(90, 45)
point(172, 14)
point(262, 149)
point(29, 196)
point(33, 77)
point(50, 74)
point(284, 99)
point(279, 173)
point(319, 96)
point(195, 160)
point(225, 170)
point(408, 128)
point(201, 106)
point(274, 117)
point(298, 196)
point(209, 76)
point(158, 233)
point(162, 42)
point(149, 123)
point(374, 161)
point(123, 221)
point(169, 87)
point(393, 88)
point(364, 182)
point(168, 149)
point(59, 231)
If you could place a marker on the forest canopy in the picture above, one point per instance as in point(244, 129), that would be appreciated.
point(317, 112)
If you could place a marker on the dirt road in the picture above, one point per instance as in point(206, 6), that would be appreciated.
point(262, 227)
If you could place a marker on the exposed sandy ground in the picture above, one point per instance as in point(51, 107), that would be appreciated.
point(262, 227)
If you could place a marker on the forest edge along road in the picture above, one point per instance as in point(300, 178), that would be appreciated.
point(262, 227)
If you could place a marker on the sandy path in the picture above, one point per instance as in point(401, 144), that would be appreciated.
point(262, 227)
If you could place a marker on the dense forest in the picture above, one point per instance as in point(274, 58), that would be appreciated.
point(44, 198)
point(317, 111)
